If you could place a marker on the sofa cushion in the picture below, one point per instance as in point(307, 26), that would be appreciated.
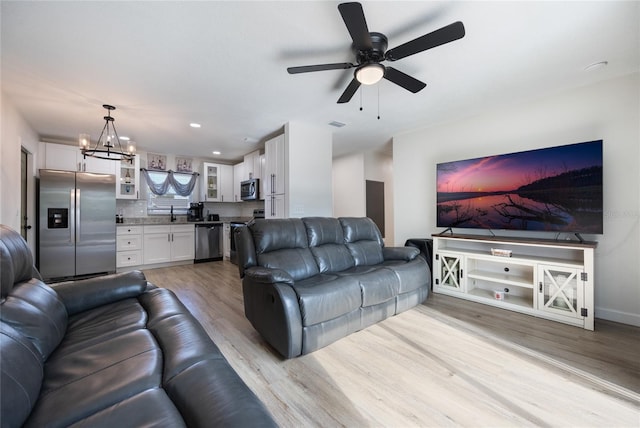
point(278, 234)
point(377, 284)
point(152, 407)
point(16, 260)
point(411, 275)
point(101, 324)
point(112, 371)
point(326, 241)
point(297, 262)
point(324, 297)
point(282, 244)
point(21, 373)
point(36, 311)
point(363, 239)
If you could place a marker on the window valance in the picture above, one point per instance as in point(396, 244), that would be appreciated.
point(183, 185)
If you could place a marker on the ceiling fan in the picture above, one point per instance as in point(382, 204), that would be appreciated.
point(370, 51)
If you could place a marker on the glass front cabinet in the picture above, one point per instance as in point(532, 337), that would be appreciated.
point(560, 291)
point(211, 181)
point(449, 268)
point(128, 179)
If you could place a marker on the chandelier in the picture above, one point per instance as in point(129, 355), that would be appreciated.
point(108, 145)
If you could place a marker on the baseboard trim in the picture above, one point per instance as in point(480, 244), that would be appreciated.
point(618, 316)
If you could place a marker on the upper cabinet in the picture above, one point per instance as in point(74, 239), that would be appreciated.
point(217, 182)
point(69, 158)
point(252, 166)
point(128, 179)
point(274, 172)
point(238, 177)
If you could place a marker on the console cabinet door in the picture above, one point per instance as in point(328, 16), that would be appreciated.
point(560, 290)
point(450, 271)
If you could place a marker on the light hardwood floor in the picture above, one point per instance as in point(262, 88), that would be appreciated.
point(447, 362)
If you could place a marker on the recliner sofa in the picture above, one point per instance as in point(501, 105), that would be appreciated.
point(110, 351)
point(309, 282)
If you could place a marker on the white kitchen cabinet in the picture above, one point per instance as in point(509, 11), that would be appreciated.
point(217, 182)
point(168, 243)
point(70, 158)
point(275, 206)
point(275, 176)
point(252, 166)
point(545, 278)
point(128, 246)
point(128, 179)
point(238, 177)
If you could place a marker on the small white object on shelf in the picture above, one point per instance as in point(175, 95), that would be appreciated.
point(500, 252)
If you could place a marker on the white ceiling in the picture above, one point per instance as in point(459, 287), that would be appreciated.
point(223, 64)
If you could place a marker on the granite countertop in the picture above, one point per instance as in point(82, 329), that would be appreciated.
point(180, 219)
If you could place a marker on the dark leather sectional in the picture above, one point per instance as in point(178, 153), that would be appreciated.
point(308, 282)
point(109, 352)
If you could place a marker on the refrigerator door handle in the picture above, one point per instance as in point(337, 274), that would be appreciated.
point(77, 209)
point(72, 214)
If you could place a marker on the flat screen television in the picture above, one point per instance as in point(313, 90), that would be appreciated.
point(555, 189)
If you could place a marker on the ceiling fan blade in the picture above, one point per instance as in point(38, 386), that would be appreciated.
point(319, 67)
point(348, 93)
point(399, 78)
point(439, 37)
point(353, 17)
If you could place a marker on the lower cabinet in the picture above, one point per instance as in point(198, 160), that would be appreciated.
point(546, 278)
point(163, 244)
point(128, 246)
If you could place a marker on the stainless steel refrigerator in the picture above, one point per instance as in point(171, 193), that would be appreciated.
point(77, 227)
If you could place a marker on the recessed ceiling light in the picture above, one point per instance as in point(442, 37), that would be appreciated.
point(215, 152)
point(336, 124)
point(596, 65)
point(195, 125)
point(123, 138)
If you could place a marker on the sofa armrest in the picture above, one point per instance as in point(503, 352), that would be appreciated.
point(87, 294)
point(268, 276)
point(400, 253)
point(273, 310)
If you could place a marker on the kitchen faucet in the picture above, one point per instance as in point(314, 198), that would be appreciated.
point(172, 218)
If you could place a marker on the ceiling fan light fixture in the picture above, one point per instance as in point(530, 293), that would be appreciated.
point(370, 74)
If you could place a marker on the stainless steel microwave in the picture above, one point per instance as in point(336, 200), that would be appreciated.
point(250, 189)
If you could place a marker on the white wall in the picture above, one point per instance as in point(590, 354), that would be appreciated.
point(608, 111)
point(16, 133)
point(309, 149)
point(350, 173)
point(349, 198)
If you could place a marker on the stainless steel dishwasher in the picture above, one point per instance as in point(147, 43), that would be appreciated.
point(208, 242)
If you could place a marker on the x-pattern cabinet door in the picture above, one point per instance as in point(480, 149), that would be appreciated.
point(450, 268)
point(560, 290)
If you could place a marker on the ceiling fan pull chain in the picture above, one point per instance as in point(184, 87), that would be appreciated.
point(360, 98)
point(378, 101)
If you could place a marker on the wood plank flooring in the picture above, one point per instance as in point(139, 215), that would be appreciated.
point(447, 362)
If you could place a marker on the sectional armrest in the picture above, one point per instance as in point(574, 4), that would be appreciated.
point(268, 276)
point(400, 253)
point(86, 294)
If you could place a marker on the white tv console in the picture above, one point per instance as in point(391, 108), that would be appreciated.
point(545, 278)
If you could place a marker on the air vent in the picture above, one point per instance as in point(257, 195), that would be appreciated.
point(336, 124)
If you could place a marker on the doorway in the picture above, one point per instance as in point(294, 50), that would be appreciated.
point(26, 190)
point(375, 203)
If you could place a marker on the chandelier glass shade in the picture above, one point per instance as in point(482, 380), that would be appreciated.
point(108, 146)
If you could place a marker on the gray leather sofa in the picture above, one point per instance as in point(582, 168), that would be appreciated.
point(111, 352)
point(308, 282)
